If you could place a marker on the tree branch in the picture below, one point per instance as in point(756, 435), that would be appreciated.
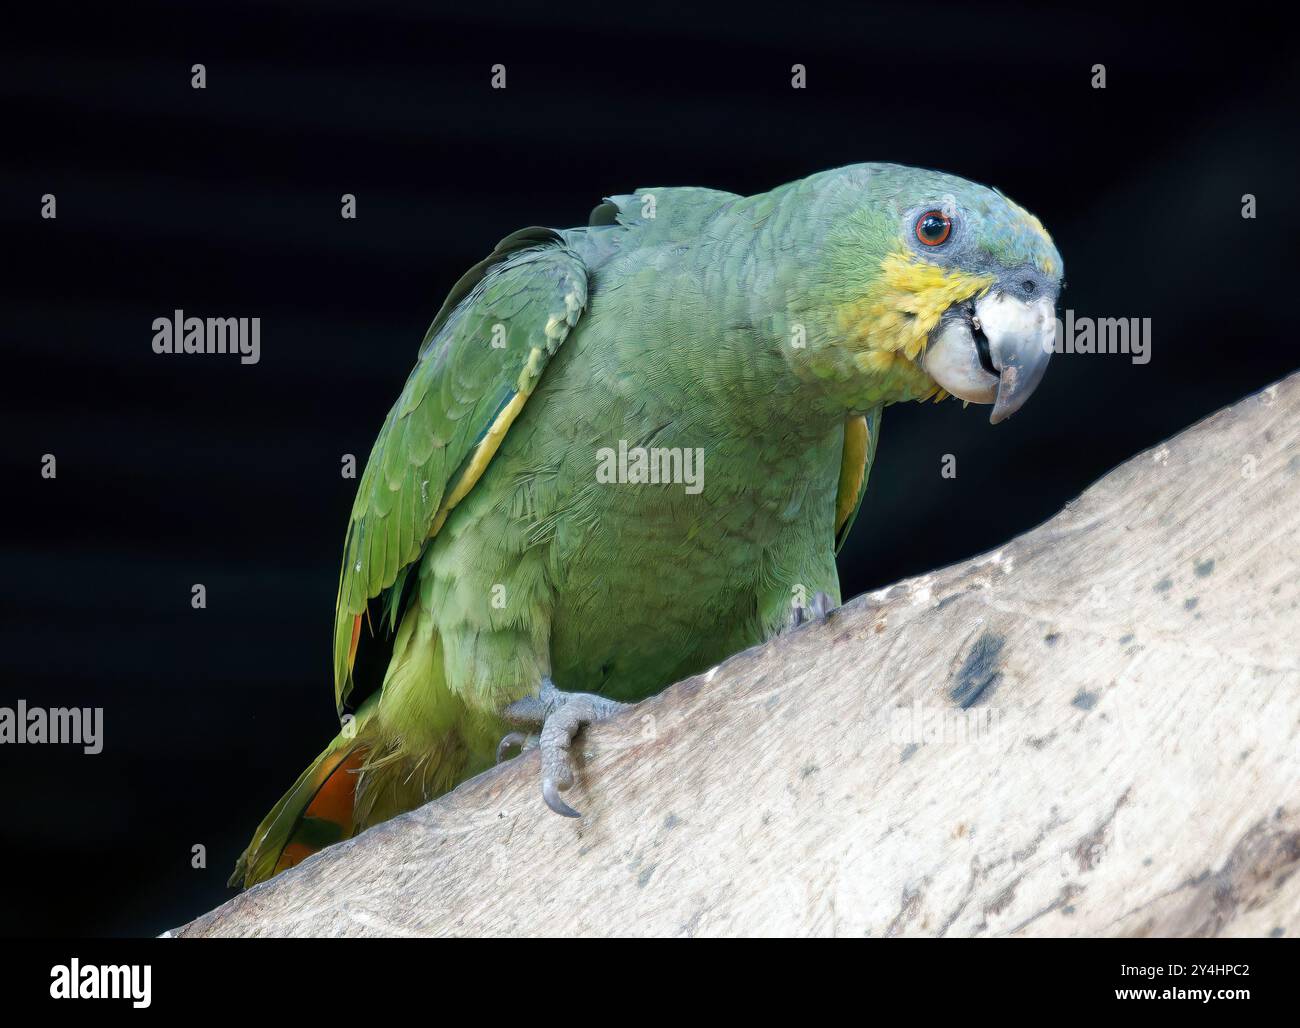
point(1092, 731)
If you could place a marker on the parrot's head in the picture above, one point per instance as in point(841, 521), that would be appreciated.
point(937, 286)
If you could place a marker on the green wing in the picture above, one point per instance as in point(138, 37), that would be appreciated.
point(480, 360)
point(861, 433)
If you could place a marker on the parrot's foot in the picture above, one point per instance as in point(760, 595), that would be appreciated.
point(510, 740)
point(560, 714)
point(821, 606)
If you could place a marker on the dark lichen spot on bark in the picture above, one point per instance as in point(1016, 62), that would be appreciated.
point(908, 750)
point(1052, 638)
point(946, 601)
point(1190, 603)
point(672, 821)
point(979, 672)
point(1085, 700)
point(1124, 640)
point(644, 876)
point(1204, 568)
point(1164, 585)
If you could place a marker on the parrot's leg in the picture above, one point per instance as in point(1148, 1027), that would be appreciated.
point(560, 714)
point(821, 607)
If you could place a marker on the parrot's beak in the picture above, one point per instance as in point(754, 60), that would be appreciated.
point(1020, 340)
point(994, 352)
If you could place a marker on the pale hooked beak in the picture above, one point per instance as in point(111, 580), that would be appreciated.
point(995, 352)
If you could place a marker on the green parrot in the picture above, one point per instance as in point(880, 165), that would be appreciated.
point(630, 450)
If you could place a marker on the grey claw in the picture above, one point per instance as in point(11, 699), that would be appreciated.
point(508, 740)
point(551, 794)
point(821, 606)
point(797, 617)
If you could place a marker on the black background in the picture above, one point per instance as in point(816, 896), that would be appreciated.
point(225, 202)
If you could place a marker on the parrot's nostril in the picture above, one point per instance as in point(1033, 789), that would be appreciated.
point(1027, 286)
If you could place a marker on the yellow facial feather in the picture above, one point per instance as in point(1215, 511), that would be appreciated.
point(1045, 263)
point(904, 305)
point(1030, 219)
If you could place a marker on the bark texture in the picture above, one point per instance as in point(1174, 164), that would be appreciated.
point(1094, 730)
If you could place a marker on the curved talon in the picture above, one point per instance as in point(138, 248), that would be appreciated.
point(508, 740)
point(561, 716)
point(551, 794)
point(821, 606)
point(797, 617)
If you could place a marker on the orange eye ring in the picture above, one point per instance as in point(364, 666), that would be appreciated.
point(933, 227)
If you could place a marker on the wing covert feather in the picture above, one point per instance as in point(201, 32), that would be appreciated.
point(480, 360)
point(861, 433)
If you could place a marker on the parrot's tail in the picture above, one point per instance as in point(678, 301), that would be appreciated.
point(426, 742)
point(316, 812)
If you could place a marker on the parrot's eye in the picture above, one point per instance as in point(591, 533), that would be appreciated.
point(932, 227)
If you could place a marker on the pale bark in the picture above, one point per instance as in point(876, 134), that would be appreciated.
point(1128, 764)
